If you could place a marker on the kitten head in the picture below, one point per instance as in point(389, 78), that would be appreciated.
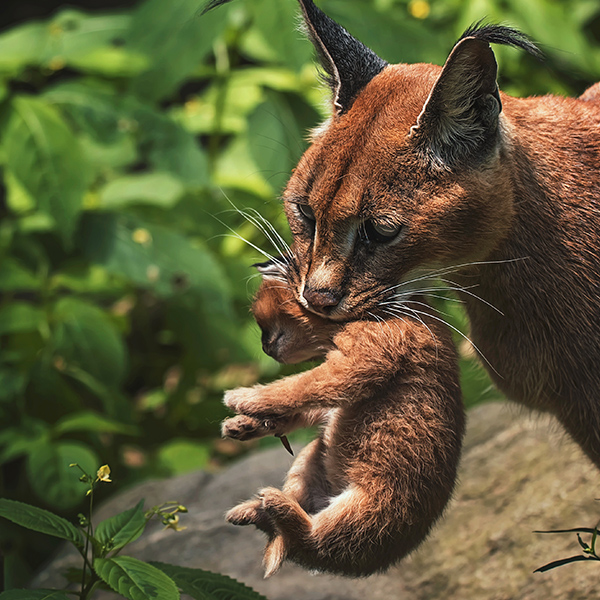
point(290, 333)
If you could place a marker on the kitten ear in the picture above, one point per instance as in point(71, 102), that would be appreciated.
point(458, 125)
point(348, 63)
point(272, 269)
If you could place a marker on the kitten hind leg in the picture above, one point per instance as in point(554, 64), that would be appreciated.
point(306, 481)
point(351, 536)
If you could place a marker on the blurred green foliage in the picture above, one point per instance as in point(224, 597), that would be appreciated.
point(126, 141)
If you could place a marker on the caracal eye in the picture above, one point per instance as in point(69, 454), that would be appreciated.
point(381, 232)
point(307, 211)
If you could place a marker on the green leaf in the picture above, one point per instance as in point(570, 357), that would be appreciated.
point(22, 46)
point(168, 146)
point(40, 520)
point(276, 21)
point(236, 169)
point(93, 109)
point(12, 383)
point(75, 34)
point(122, 529)
point(85, 337)
point(91, 421)
point(204, 585)
point(20, 316)
point(275, 131)
point(155, 257)
point(390, 34)
point(562, 562)
point(136, 580)
point(111, 62)
point(159, 189)
point(175, 42)
point(110, 118)
point(228, 112)
point(182, 456)
point(18, 200)
point(34, 595)
point(51, 477)
point(19, 440)
point(44, 156)
point(116, 404)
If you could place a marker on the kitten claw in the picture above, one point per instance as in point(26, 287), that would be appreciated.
point(286, 443)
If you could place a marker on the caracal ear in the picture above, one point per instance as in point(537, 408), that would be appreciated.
point(458, 125)
point(349, 65)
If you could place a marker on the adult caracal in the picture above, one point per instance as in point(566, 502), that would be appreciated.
point(368, 489)
point(426, 169)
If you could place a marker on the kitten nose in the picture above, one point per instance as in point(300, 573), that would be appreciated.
point(269, 342)
point(323, 300)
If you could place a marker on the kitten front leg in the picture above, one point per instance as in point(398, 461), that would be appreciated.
point(335, 382)
point(262, 401)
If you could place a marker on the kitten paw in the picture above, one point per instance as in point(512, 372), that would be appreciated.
point(250, 512)
point(246, 513)
point(244, 427)
point(271, 497)
point(288, 516)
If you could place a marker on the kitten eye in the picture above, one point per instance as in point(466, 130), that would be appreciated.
point(381, 232)
point(306, 211)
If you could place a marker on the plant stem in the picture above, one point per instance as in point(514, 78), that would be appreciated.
point(91, 586)
point(86, 562)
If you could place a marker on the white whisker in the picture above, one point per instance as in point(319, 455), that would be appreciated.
point(438, 273)
point(415, 315)
point(456, 330)
point(465, 290)
point(263, 225)
point(271, 228)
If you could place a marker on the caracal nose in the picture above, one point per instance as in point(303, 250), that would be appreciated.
point(322, 299)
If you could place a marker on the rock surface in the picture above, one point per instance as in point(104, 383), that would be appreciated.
point(519, 473)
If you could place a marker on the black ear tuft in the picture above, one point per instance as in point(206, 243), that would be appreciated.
point(349, 64)
point(500, 34)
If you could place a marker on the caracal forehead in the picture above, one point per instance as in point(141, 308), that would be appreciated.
point(350, 149)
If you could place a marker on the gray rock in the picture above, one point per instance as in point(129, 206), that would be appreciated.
point(519, 473)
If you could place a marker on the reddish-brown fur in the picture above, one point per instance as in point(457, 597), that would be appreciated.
point(528, 218)
point(368, 489)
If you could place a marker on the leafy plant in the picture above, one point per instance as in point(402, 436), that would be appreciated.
point(100, 549)
point(589, 550)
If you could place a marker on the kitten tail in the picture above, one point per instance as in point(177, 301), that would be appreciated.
point(274, 556)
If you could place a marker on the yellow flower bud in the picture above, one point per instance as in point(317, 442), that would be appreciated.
point(419, 9)
point(142, 236)
point(104, 474)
